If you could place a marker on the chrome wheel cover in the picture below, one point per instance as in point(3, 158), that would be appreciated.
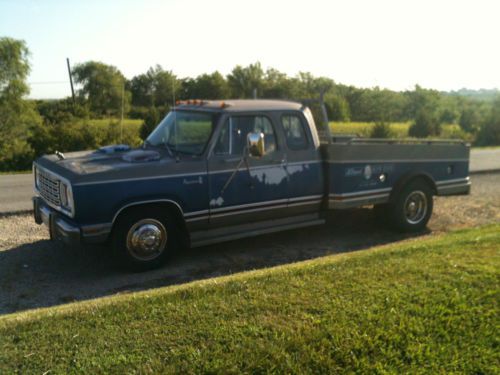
point(146, 239)
point(415, 207)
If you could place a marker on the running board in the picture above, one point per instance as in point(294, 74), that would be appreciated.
point(253, 232)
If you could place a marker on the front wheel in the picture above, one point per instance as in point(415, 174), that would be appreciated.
point(412, 208)
point(144, 238)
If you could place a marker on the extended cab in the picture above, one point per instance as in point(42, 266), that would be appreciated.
point(214, 171)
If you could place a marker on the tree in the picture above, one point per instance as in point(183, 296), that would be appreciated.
point(338, 108)
point(17, 116)
point(469, 119)
point(278, 85)
point(151, 120)
point(426, 124)
point(489, 133)
point(244, 80)
point(157, 87)
point(206, 86)
point(103, 87)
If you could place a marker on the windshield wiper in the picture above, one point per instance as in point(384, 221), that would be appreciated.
point(169, 150)
point(162, 144)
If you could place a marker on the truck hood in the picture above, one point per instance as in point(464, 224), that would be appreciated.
point(118, 161)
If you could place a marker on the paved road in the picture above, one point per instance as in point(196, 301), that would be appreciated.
point(16, 190)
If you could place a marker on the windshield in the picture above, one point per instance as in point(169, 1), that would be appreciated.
point(183, 131)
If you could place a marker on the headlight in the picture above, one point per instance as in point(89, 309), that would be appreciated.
point(37, 177)
point(63, 194)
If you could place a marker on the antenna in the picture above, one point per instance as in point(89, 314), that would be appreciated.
point(173, 109)
point(121, 118)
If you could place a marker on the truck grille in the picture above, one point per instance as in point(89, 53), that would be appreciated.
point(48, 187)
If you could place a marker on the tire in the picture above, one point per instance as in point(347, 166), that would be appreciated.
point(412, 208)
point(144, 238)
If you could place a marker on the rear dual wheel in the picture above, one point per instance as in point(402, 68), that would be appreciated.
point(411, 209)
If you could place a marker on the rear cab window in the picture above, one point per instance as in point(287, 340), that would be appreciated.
point(295, 132)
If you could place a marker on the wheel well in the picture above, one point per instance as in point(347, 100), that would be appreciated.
point(170, 207)
point(404, 181)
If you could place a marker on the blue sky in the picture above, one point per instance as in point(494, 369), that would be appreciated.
point(440, 44)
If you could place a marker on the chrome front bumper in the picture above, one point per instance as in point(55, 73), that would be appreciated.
point(59, 227)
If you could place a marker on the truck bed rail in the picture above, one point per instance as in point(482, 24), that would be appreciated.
point(345, 138)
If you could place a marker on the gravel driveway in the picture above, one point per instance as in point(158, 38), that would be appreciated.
point(35, 272)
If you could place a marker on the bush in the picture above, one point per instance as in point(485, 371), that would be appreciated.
point(152, 119)
point(425, 125)
point(381, 130)
point(489, 133)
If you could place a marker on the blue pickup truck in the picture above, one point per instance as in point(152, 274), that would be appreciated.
point(214, 171)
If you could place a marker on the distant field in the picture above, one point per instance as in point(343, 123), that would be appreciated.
point(128, 122)
point(400, 129)
point(428, 305)
point(106, 128)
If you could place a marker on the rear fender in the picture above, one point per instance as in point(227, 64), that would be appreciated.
point(410, 177)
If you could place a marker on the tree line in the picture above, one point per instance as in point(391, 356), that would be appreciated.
point(30, 128)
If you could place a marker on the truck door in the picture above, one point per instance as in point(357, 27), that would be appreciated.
point(304, 167)
point(246, 189)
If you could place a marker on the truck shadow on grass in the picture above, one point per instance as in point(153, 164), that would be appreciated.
point(45, 273)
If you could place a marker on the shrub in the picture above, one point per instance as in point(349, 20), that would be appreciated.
point(381, 130)
point(151, 120)
point(489, 133)
point(425, 125)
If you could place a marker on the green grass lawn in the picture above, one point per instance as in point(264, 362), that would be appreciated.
point(425, 305)
point(399, 129)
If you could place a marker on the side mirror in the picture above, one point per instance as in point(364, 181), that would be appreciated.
point(256, 144)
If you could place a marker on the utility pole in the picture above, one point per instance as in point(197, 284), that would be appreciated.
point(71, 82)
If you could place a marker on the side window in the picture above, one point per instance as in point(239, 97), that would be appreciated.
point(295, 134)
point(233, 136)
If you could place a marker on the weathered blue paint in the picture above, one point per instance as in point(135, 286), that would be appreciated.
point(284, 183)
point(360, 177)
point(99, 203)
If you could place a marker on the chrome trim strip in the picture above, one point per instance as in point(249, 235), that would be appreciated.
point(194, 213)
point(304, 162)
point(304, 203)
point(258, 204)
point(247, 211)
point(296, 199)
point(198, 174)
point(363, 192)
point(367, 197)
point(395, 161)
point(445, 182)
